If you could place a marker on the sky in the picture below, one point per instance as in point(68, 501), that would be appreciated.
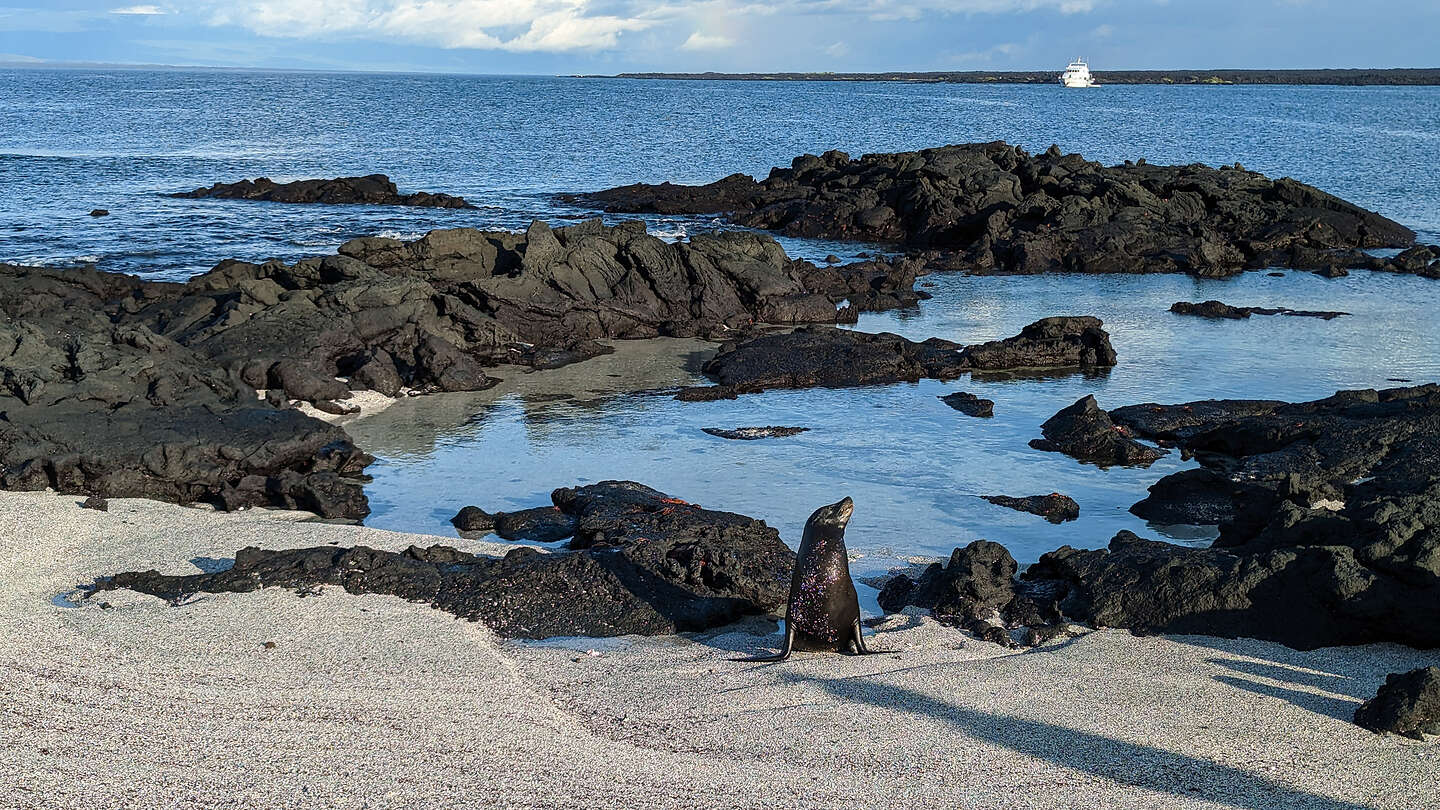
point(611, 36)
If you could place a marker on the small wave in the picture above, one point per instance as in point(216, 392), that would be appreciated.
point(668, 231)
point(403, 236)
point(53, 261)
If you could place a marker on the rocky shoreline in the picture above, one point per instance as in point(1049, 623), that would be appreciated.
point(1329, 532)
point(996, 208)
point(118, 387)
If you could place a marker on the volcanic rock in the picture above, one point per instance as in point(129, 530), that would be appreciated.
point(996, 208)
point(752, 433)
point(1054, 507)
point(1329, 517)
point(976, 590)
point(1087, 433)
point(473, 519)
point(118, 387)
point(1216, 309)
point(373, 189)
point(1408, 704)
point(969, 404)
point(99, 212)
point(543, 524)
point(838, 358)
point(640, 562)
point(97, 401)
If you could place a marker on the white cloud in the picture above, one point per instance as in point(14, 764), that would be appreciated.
point(513, 25)
point(837, 49)
point(706, 42)
point(138, 11)
point(559, 25)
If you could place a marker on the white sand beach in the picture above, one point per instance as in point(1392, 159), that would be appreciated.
point(369, 701)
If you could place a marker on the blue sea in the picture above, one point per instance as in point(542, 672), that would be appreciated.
point(74, 140)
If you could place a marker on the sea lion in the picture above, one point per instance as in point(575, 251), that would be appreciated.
point(823, 612)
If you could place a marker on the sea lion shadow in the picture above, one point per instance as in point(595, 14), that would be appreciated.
point(1121, 761)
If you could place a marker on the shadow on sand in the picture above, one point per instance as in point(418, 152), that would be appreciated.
point(1123, 762)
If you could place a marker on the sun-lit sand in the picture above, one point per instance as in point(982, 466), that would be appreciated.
point(273, 700)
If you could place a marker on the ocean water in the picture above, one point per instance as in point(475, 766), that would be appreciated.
point(73, 140)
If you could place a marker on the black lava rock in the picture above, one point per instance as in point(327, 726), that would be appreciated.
point(1054, 507)
point(1408, 704)
point(1329, 525)
point(993, 207)
point(752, 433)
point(543, 524)
point(836, 358)
point(374, 189)
point(473, 519)
point(1216, 309)
point(640, 562)
point(969, 404)
point(1087, 433)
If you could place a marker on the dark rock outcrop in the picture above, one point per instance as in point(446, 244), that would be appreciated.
point(543, 524)
point(1407, 704)
point(996, 208)
point(98, 504)
point(99, 212)
point(1329, 515)
point(640, 562)
point(839, 358)
point(1054, 507)
point(969, 404)
point(473, 519)
point(976, 590)
point(372, 189)
point(1087, 433)
point(752, 433)
point(1217, 309)
point(114, 386)
point(1058, 342)
point(98, 400)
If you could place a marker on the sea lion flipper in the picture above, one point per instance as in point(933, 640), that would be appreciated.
point(859, 640)
point(785, 648)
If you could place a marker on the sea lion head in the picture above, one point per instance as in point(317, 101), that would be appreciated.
point(835, 516)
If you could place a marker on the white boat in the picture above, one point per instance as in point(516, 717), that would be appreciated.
point(1077, 74)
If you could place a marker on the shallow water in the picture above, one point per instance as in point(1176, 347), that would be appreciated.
point(916, 467)
point(75, 140)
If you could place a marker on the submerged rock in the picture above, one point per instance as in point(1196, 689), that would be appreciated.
point(752, 433)
point(969, 404)
point(997, 208)
point(1085, 432)
point(837, 358)
point(1216, 309)
point(640, 562)
point(1054, 507)
point(372, 189)
point(1407, 704)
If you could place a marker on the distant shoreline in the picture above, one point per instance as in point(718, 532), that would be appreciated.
point(1338, 76)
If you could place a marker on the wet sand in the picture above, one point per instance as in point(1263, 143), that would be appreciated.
point(368, 701)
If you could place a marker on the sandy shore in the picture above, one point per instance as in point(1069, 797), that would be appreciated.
point(373, 702)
